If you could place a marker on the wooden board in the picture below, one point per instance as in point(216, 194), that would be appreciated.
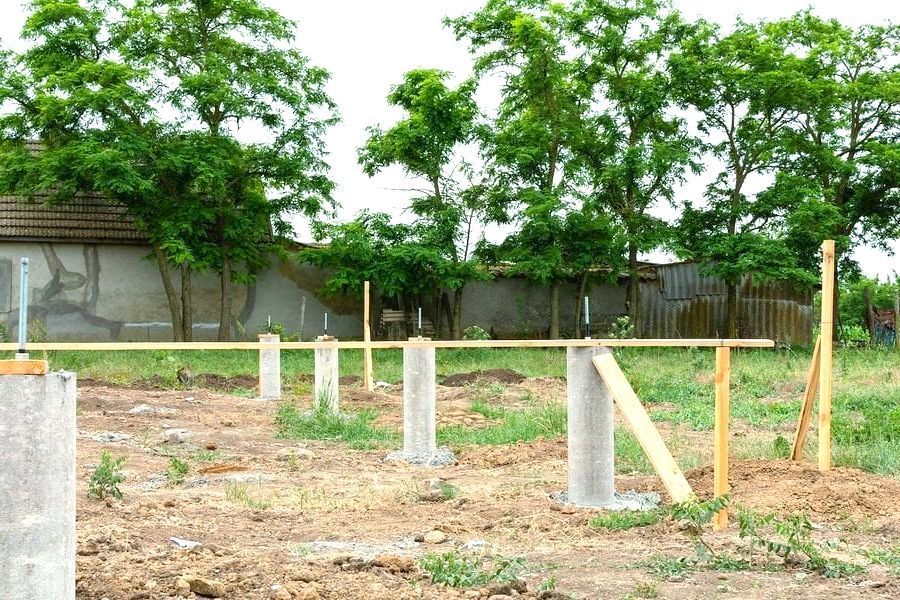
point(826, 355)
point(720, 445)
point(806, 407)
point(576, 343)
point(24, 367)
point(642, 427)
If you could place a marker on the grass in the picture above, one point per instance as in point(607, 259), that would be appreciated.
point(356, 430)
point(239, 493)
point(622, 520)
point(676, 384)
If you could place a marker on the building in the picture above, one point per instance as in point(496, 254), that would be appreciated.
point(93, 278)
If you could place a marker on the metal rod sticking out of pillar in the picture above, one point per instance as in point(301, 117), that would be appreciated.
point(587, 318)
point(420, 322)
point(23, 310)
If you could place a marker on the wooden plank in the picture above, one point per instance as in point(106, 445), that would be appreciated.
point(642, 427)
point(720, 447)
point(381, 345)
point(368, 376)
point(24, 367)
point(826, 355)
point(806, 407)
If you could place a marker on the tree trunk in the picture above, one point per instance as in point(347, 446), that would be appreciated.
point(731, 310)
point(554, 311)
point(174, 305)
point(448, 312)
point(456, 329)
point(868, 314)
point(187, 304)
point(633, 291)
point(579, 304)
point(225, 313)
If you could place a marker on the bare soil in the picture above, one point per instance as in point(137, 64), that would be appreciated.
point(257, 504)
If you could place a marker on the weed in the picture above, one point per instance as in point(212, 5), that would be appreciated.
point(208, 455)
point(548, 584)
point(697, 515)
point(618, 521)
point(644, 589)
point(239, 494)
point(889, 557)
point(781, 447)
point(178, 469)
point(356, 430)
point(668, 566)
point(449, 491)
point(107, 477)
point(460, 570)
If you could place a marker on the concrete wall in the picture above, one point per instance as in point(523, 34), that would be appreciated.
point(106, 292)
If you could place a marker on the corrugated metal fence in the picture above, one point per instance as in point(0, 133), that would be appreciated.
point(680, 302)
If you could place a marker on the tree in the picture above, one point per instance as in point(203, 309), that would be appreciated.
point(842, 143)
point(528, 144)
point(741, 85)
point(143, 102)
point(638, 150)
point(425, 143)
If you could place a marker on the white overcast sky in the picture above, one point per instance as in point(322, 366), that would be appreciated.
point(367, 46)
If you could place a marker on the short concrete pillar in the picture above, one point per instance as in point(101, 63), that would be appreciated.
point(590, 431)
point(419, 401)
point(37, 486)
point(269, 368)
point(325, 390)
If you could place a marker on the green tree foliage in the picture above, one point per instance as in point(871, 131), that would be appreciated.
point(741, 84)
point(438, 121)
point(143, 102)
point(529, 144)
point(842, 167)
point(636, 150)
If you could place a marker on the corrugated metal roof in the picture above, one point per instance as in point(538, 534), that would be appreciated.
point(85, 217)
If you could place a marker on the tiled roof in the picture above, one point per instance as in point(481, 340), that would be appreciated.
point(85, 217)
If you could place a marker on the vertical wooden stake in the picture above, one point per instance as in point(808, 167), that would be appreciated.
point(806, 407)
point(367, 336)
point(720, 448)
point(826, 356)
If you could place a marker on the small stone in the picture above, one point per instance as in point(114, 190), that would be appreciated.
point(519, 585)
point(498, 588)
point(176, 436)
point(500, 597)
point(227, 423)
point(182, 587)
point(88, 549)
point(394, 564)
point(551, 595)
point(307, 593)
point(873, 583)
point(281, 593)
point(472, 594)
point(304, 575)
point(206, 587)
point(210, 446)
point(435, 536)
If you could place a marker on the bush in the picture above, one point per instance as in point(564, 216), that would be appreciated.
point(178, 469)
point(459, 570)
point(475, 332)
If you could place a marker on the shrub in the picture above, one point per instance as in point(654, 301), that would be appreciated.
point(107, 477)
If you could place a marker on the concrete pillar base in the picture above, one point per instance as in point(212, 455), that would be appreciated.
point(326, 392)
point(37, 486)
point(269, 368)
point(590, 431)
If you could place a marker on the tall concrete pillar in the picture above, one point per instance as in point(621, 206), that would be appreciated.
point(325, 389)
point(37, 487)
point(419, 401)
point(269, 368)
point(590, 431)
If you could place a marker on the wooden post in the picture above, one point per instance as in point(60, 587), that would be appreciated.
point(826, 356)
point(367, 336)
point(720, 447)
point(809, 397)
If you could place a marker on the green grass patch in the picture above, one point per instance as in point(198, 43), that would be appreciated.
point(628, 519)
point(541, 421)
point(356, 430)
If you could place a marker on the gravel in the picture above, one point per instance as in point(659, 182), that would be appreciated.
point(441, 457)
point(630, 500)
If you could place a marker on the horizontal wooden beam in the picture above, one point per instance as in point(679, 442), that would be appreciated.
point(581, 343)
point(23, 367)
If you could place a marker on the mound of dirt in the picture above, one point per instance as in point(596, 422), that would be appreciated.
point(220, 382)
point(488, 376)
point(500, 456)
point(787, 487)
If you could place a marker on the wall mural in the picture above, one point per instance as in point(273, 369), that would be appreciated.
point(69, 295)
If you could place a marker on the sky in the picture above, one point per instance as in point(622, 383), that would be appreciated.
point(367, 46)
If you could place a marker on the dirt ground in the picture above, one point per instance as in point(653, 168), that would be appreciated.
point(286, 519)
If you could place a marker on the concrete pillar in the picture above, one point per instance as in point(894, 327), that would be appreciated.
point(269, 368)
point(37, 487)
point(590, 431)
point(419, 401)
point(325, 390)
